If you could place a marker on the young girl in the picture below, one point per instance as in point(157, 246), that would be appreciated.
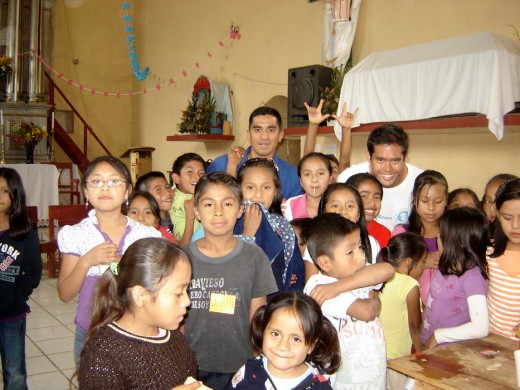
point(314, 171)
point(488, 200)
point(456, 308)
point(263, 220)
point(143, 208)
point(463, 197)
point(504, 263)
point(20, 273)
point(371, 192)
point(139, 303)
point(400, 303)
point(295, 343)
point(429, 200)
point(89, 247)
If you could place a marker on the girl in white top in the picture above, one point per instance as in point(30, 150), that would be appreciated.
point(89, 247)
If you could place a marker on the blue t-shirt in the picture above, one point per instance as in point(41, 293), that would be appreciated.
point(288, 173)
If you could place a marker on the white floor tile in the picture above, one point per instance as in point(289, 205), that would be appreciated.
point(42, 322)
point(64, 308)
point(48, 301)
point(37, 312)
point(39, 365)
point(66, 319)
point(52, 332)
point(31, 350)
point(50, 380)
point(68, 373)
point(56, 346)
point(63, 360)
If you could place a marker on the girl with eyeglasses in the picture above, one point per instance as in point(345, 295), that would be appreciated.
point(89, 247)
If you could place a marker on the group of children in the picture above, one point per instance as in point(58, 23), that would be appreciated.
point(310, 292)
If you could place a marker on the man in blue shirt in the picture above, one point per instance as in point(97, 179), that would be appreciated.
point(265, 133)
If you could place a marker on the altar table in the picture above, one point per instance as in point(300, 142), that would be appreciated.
point(461, 365)
point(40, 182)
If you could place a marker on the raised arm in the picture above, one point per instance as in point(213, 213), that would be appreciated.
point(345, 120)
point(366, 309)
point(315, 118)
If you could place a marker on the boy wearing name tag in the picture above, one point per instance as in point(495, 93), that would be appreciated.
point(231, 279)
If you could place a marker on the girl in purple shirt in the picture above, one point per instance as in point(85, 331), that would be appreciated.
point(456, 307)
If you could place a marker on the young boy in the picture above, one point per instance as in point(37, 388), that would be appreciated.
point(334, 244)
point(186, 172)
point(156, 184)
point(231, 279)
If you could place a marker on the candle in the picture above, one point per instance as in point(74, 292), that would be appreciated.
point(1, 116)
point(52, 120)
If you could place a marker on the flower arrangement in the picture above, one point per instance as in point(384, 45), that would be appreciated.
point(6, 66)
point(196, 118)
point(330, 94)
point(24, 133)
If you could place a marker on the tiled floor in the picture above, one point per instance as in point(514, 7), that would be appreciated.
point(50, 339)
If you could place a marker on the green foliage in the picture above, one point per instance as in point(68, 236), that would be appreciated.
point(330, 94)
point(196, 118)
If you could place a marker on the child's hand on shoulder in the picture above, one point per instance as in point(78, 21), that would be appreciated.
point(102, 254)
point(323, 292)
point(432, 260)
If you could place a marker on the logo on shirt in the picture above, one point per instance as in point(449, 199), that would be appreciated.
point(402, 216)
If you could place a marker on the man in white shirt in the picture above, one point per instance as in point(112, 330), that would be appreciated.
point(387, 156)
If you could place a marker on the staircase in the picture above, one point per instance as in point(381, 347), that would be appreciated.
point(77, 155)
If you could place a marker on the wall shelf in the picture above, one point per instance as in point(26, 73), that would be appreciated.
point(200, 137)
point(452, 122)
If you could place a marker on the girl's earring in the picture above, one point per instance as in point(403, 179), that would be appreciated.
point(86, 203)
point(126, 202)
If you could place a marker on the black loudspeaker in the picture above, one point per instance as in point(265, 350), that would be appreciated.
point(304, 87)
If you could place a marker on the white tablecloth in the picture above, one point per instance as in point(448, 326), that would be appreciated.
point(477, 73)
point(40, 182)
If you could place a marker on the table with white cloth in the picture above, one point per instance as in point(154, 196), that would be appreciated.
point(477, 73)
point(40, 182)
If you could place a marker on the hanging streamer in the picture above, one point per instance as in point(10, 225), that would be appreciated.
point(139, 74)
point(232, 35)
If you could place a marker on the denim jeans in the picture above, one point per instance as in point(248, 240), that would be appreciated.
point(12, 350)
point(79, 342)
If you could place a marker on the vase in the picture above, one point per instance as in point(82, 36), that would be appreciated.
point(29, 152)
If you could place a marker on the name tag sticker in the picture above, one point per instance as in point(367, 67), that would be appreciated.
point(221, 303)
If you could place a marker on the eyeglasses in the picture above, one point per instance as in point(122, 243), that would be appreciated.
point(110, 183)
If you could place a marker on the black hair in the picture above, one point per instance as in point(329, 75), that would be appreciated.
point(185, 158)
point(332, 158)
point(464, 234)
point(266, 111)
point(324, 233)
point(215, 178)
point(276, 206)
point(428, 177)
point(317, 155)
point(143, 181)
point(509, 190)
point(19, 220)
point(117, 164)
point(147, 263)
point(154, 206)
point(361, 221)
point(404, 246)
point(358, 178)
point(453, 194)
point(303, 224)
point(317, 329)
point(388, 134)
point(500, 178)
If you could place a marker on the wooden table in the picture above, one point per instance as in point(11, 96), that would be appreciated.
point(461, 365)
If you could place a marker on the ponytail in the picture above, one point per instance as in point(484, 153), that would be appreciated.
point(326, 352)
point(106, 305)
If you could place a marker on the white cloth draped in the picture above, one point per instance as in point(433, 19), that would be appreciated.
point(477, 73)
